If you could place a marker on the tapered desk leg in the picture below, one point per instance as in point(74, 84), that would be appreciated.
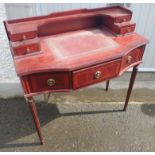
point(34, 113)
point(132, 79)
point(107, 85)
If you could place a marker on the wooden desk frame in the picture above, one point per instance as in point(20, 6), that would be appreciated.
point(37, 58)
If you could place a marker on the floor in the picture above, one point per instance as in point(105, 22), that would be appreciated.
point(84, 120)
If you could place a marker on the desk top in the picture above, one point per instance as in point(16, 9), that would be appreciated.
point(71, 40)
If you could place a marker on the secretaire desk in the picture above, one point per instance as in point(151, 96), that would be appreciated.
point(68, 50)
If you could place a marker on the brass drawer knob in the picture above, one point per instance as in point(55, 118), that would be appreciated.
point(27, 50)
point(50, 82)
point(98, 74)
point(129, 59)
point(24, 37)
point(128, 29)
point(124, 19)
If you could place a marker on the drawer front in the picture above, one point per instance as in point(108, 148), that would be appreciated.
point(23, 50)
point(128, 29)
point(49, 81)
point(131, 58)
point(22, 36)
point(95, 74)
point(121, 28)
point(123, 19)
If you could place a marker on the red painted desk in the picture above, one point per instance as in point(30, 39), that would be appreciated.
point(69, 50)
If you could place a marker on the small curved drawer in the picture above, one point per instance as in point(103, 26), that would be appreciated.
point(95, 74)
point(123, 19)
point(127, 29)
point(23, 50)
point(22, 36)
point(132, 57)
point(49, 81)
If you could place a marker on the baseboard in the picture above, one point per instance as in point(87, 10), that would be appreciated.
point(10, 89)
point(14, 89)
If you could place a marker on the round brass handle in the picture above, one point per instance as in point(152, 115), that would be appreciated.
point(50, 82)
point(129, 59)
point(27, 50)
point(98, 74)
point(124, 19)
point(24, 37)
point(128, 29)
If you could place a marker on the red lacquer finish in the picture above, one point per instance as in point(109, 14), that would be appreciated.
point(88, 76)
point(68, 50)
point(33, 110)
point(39, 82)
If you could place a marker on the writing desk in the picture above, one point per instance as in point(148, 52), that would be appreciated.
point(65, 51)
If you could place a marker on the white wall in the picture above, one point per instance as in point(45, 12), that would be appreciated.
point(19, 10)
point(144, 16)
point(6, 63)
point(41, 9)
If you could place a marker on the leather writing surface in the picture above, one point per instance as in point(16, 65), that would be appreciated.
point(79, 43)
